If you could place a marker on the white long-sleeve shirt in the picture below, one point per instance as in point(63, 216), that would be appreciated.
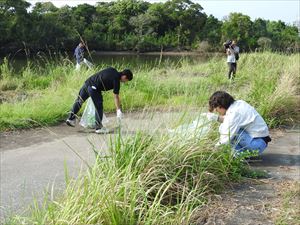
point(242, 115)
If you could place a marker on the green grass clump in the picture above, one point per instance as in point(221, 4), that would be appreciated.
point(144, 179)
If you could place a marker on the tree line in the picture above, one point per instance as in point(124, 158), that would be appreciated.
point(135, 25)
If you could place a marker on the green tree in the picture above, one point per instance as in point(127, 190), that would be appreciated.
point(44, 7)
point(187, 18)
point(142, 25)
point(18, 21)
point(211, 31)
point(238, 27)
point(122, 11)
point(264, 43)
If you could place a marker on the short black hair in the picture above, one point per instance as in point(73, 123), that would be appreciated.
point(220, 99)
point(127, 73)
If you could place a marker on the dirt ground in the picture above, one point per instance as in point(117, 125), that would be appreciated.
point(34, 161)
point(272, 200)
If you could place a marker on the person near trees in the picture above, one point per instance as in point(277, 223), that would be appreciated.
point(105, 80)
point(241, 125)
point(232, 52)
point(79, 54)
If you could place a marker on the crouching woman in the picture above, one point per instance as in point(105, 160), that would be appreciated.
point(241, 125)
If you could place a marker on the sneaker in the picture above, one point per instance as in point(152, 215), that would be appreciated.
point(102, 130)
point(71, 123)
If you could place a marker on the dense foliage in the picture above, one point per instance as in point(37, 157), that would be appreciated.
point(135, 25)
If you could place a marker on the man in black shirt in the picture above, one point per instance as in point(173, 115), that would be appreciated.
point(104, 80)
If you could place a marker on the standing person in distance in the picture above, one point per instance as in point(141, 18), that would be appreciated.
point(105, 80)
point(79, 54)
point(232, 52)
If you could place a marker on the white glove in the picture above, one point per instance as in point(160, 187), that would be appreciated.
point(212, 116)
point(119, 114)
point(218, 144)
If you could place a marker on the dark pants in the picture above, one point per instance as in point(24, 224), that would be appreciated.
point(85, 92)
point(232, 70)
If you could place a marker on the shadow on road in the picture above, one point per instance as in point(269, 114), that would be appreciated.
point(275, 159)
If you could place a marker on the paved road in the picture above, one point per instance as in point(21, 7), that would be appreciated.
point(34, 161)
point(282, 158)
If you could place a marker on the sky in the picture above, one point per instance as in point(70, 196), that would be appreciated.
point(284, 10)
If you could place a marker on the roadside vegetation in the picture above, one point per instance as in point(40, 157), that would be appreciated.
point(43, 95)
point(148, 179)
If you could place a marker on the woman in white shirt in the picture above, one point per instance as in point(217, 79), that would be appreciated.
point(241, 126)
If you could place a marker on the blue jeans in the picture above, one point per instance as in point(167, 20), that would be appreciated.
point(243, 141)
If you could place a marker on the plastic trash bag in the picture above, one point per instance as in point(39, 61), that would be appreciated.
point(88, 117)
point(197, 129)
point(88, 63)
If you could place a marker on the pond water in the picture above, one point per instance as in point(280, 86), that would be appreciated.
point(112, 59)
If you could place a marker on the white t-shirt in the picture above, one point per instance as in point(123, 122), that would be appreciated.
point(241, 115)
point(231, 56)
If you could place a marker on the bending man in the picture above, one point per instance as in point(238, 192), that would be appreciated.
point(104, 80)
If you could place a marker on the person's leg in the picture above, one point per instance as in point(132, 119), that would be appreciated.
point(258, 144)
point(230, 70)
point(243, 141)
point(234, 66)
point(77, 66)
point(82, 96)
point(98, 102)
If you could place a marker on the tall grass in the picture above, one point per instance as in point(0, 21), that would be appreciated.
point(144, 179)
point(268, 81)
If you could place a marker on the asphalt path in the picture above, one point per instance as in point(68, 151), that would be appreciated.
point(33, 162)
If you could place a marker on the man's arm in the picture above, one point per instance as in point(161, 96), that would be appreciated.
point(117, 101)
point(229, 51)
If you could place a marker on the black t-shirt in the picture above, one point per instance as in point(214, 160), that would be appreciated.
point(105, 80)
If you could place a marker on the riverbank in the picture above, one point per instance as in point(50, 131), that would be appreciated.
point(164, 53)
point(273, 91)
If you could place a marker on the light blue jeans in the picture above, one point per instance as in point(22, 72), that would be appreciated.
point(243, 141)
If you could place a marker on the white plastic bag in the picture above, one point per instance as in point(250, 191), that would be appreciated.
point(88, 63)
point(88, 117)
point(197, 129)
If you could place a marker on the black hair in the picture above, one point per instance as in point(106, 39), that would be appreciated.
point(127, 73)
point(220, 99)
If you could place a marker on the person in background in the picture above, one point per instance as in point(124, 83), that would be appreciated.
point(79, 54)
point(232, 51)
point(104, 80)
point(241, 125)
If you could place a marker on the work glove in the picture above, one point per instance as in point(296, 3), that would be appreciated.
point(119, 114)
point(217, 144)
point(211, 116)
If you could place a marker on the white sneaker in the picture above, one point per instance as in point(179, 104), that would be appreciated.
point(102, 130)
point(71, 123)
